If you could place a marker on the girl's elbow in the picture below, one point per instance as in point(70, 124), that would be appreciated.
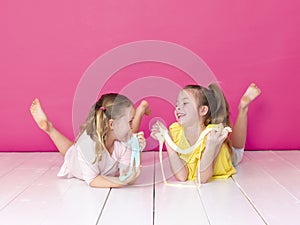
point(181, 178)
point(92, 185)
point(204, 180)
point(205, 177)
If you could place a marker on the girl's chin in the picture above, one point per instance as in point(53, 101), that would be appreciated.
point(181, 122)
point(123, 139)
point(185, 123)
point(126, 138)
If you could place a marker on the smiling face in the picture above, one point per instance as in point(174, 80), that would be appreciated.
point(186, 111)
point(122, 126)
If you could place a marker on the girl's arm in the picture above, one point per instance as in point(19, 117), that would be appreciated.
point(113, 182)
point(206, 174)
point(208, 163)
point(214, 142)
point(178, 166)
point(106, 182)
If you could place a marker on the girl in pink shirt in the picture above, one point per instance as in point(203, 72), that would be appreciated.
point(100, 152)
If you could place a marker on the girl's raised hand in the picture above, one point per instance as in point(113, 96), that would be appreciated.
point(158, 129)
point(142, 140)
point(214, 141)
point(218, 135)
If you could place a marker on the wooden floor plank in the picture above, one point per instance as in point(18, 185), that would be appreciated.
point(132, 204)
point(272, 200)
point(9, 161)
point(80, 204)
point(226, 204)
point(30, 193)
point(22, 176)
point(50, 200)
point(176, 205)
point(284, 172)
point(292, 157)
point(34, 203)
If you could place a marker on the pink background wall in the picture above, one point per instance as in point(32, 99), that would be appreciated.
point(46, 47)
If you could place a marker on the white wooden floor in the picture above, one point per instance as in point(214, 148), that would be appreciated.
point(266, 190)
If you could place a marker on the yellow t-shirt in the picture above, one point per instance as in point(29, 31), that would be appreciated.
point(223, 166)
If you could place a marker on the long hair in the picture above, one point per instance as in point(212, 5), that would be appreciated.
point(109, 106)
point(218, 107)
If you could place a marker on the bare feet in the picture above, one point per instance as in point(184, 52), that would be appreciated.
point(39, 116)
point(251, 93)
point(144, 108)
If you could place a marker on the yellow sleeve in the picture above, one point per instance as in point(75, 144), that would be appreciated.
point(177, 135)
point(175, 132)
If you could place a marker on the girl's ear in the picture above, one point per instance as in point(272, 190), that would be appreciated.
point(203, 110)
point(110, 124)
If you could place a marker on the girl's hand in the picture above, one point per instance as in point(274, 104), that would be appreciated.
point(142, 140)
point(216, 137)
point(158, 130)
point(134, 175)
point(214, 142)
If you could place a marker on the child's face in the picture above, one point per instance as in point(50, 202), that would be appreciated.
point(123, 125)
point(186, 111)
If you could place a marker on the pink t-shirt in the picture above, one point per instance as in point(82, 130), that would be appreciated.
point(80, 156)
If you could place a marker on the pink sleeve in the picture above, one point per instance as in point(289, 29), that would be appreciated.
point(89, 171)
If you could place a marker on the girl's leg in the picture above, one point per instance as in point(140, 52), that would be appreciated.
point(239, 131)
point(61, 141)
point(141, 110)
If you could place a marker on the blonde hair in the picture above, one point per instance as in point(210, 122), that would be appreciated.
point(218, 107)
point(109, 106)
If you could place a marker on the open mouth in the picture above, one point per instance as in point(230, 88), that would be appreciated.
point(180, 115)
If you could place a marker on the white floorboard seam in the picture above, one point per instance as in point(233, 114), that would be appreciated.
point(249, 200)
point(285, 160)
point(276, 181)
point(284, 188)
point(21, 192)
point(103, 206)
point(153, 186)
point(12, 169)
point(202, 203)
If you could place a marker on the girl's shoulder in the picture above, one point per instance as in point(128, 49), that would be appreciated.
point(175, 126)
point(210, 126)
point(86, 146)
point(175, 131)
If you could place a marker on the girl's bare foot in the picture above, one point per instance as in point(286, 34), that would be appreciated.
point(144, 108)
point(39, 116)
point(251, 93)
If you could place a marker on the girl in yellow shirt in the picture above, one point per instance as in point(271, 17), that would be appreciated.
point(197, 109)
